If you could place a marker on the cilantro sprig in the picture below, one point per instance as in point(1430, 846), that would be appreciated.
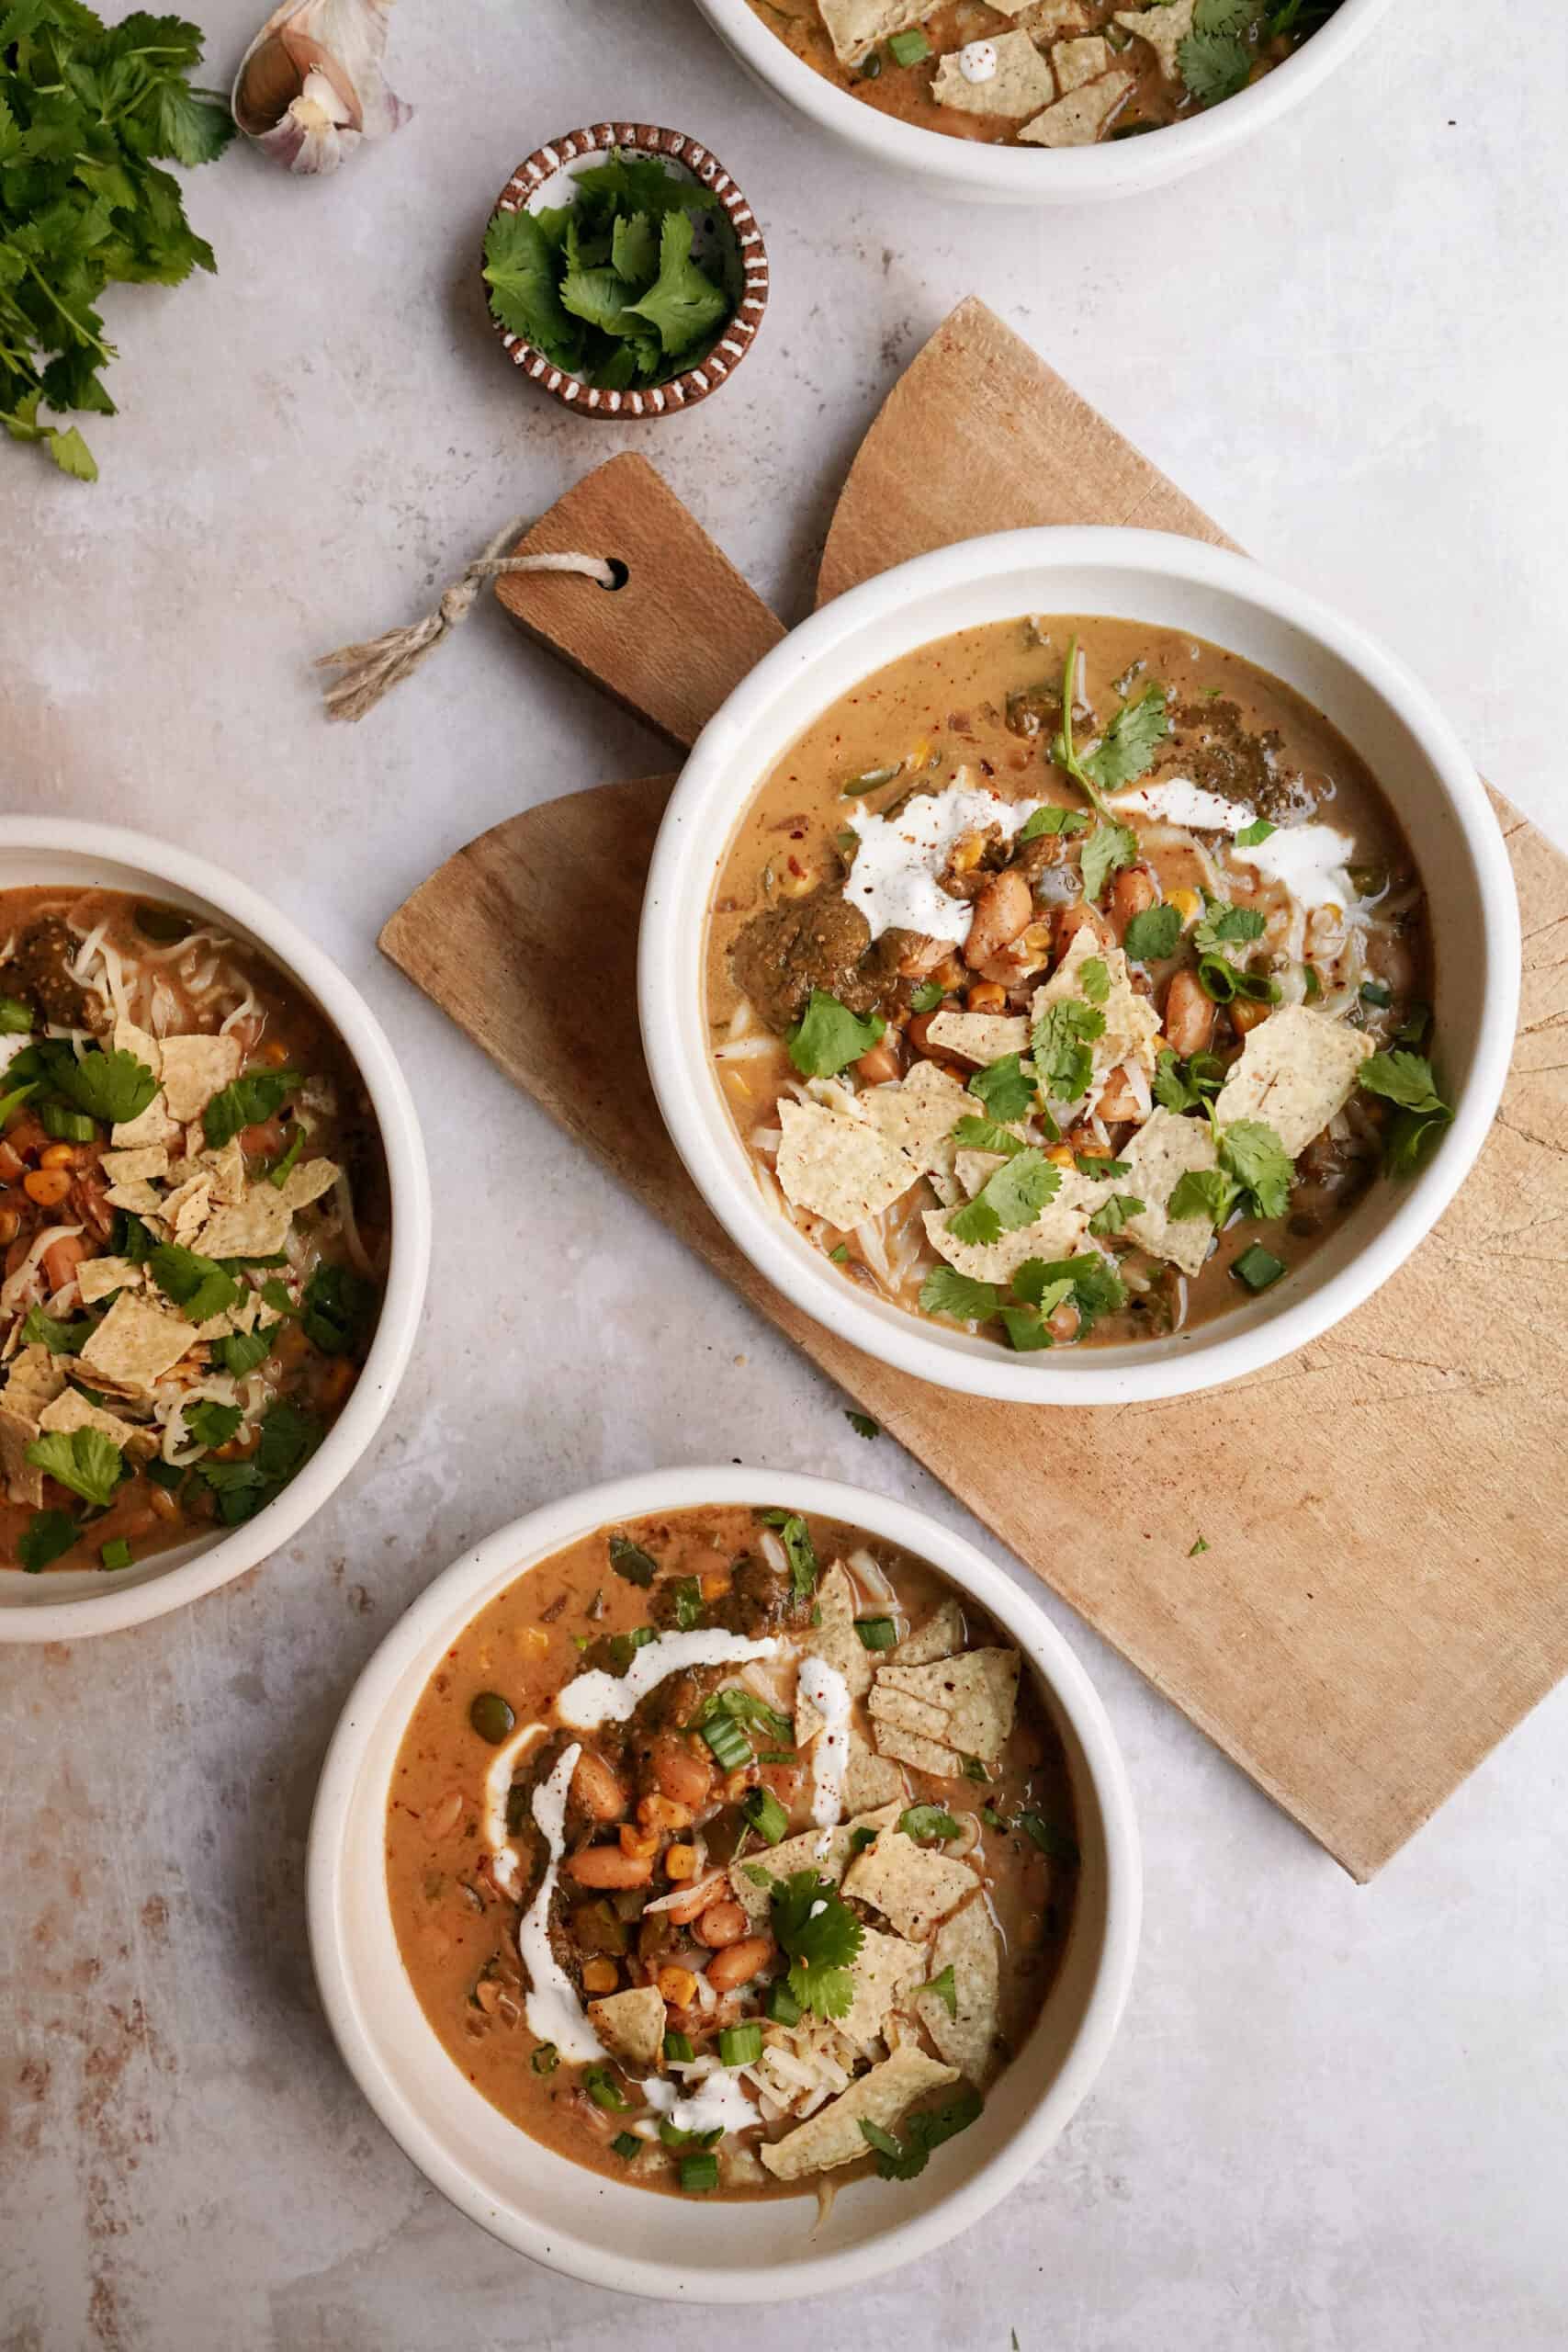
point(1010, 1198)
point(85, 1461)
point(1089, 1283)
point(1255, 1173)
point(820, 1936)
point(1420, 1110)
point(925, 2130)
point(795, 1537)
point(1123, 754)
point(828, 1036)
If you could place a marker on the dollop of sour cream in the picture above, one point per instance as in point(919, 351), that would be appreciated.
point(978, 61)
point(893, 880)
point(552, 2006)
point(1309, 861)
point(505, 1863)
point(718, 2103)
point(1179, 801)
point(824, 1687)
point(598, 1698)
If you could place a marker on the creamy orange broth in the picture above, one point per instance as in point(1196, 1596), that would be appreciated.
point(458, 1931)
point(986, 703)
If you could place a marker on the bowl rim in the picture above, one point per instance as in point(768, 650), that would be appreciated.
point(398, 1122)
point(425, 1627)
point(1041, 175)
point(693, 384)
point(680, 860)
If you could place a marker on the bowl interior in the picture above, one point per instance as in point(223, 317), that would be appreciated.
point(561, 2213)
point(1139, 577)
point(20, 1595)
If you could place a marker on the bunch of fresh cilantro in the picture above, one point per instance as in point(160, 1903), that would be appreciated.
point(85, 110)
point(608, 287)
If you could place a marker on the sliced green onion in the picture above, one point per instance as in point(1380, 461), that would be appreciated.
point(678, 2049)
point(908, 48)
point(66, 1125)
point(873, 779)
point(840, 1256)
point(15, 1018)
point(765, 1814)
point(1314, 985)
point(781, 2004)
point(877, 1633)
point(277, 1173)
point(11, 1103)
point(546, 2059)
point(730, 1747)
point(116, 1553)
point(740, 2045)
point(1377, 992)
point(603, 2089)
point(870, 66)
point(1257, 1267)
point(624, 2146)
point(674, 2137)
point(699, 2174)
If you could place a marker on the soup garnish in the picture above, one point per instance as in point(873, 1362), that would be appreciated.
point(193, 1211)
point(729, 1850)
point(1071, 998)
point(1043, 73)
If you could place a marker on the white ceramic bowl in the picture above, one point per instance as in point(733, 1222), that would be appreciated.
point(1168, 582)
point(976, 173)
point(619, 2236)
point(65, 1605)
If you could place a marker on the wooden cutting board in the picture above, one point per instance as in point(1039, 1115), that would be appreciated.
point(1379, 1600)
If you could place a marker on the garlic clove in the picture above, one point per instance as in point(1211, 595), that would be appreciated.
point(311, 85)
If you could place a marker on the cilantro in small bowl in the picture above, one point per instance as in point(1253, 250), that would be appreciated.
point(628, 280)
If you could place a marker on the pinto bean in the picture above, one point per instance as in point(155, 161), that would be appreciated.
point(738, 1963)
point(682, 1777)
point(1132, 893)
point(721, 1925)
point(62, 1259)
point(1004, 908)
point(877, 1067)
point(696, 1900)
point(1071, 921)
point(1118, 1101)
point(595, 1788)
point(607, 1866)
point(1189, 1015)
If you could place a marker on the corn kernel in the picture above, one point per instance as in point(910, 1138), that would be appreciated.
point(920, 754)
point(1187, 904)
point(715, 1583)
point(47, 1186)
point(986, 996)
point(681, 1862)
point(57, 1155)
point(600, 1976)
point(967, 853)
point(641, 1844)
point(735, 1783)
point(663, 1813)
point(533, 1640)
point(274, 1053)
point(678, 1987)
point(1059, 1156)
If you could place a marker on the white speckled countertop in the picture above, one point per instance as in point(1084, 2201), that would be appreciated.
point(1337, 2119)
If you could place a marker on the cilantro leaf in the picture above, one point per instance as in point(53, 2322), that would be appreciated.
point(1063, 1036)
point(683, 303)
point(1113, 1214)
point(210, 1423)
point(288, 1438)
point(1126, 749)
point(634, 249)
point(1407, 1080)
point(1152, 935)
point(743, 1707)
point(249, 1101)
point(1252, 1153)
point(240, 1351)
point(947, 1292)
point(863, 1425)
point(1259, 831)
point(199, 1287)
point(520, 270)
point(1011, 1196)
point(107, 1086)
point(337, 1309)
point(41, 1330)
point(923, 2131)
point(46, 1534)
point(815, 1927)
point(1215, 66)
point(1221, 924)
point(1187, 1086)
point(1051, 817)
point(942, 1989)
point(1097, 1287)
point(1108, 848)
point(795, 1537)
point(630, 1561)
point(828, 1036)
point(926, 996)
point(1202, 1191)
point(84, 1460)
point(1006, 1088)
point(1094, 979)
point(987, 1135)
point(928, 1821)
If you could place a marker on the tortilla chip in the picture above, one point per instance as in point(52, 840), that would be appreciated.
point(1053, 1234)
point(1078, 62)
point(800, 1854)
point(1163, 1149)
point(150, 1129)
point(70, 1410)
point(136, 1167)
point(1297, 1070)
point(135, 1344)
point(631, 2024)
point(913, 1885)
point(138, 1197)
point(1047, 16)
point(974, 1697)
point(257, 1227)
point(980, 1037)
point(974, 1170)
point(97, 1277)
point(834, 1639)
point(838, 1168)
point(1165, 29)
point(227, 1166)
point(185, 1210)
point(903, 1747)
point(36, 1379)
point(23, 1482)
point(305, 1182)
point(833, 2136)
point(1022, 82)
point(884, 1968)
point(141, 1044)
point(856, 26)
point(966, 1943)
point(871, 1779)
point(1077, 119)
point(939, 1636)
point(917, 1115)
point(1132, 1031)
point(195, 1069)
point(241, 1317)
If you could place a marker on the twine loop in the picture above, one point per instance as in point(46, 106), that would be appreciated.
point(374, 667)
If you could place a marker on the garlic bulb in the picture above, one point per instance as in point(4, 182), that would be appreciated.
point(311, 86)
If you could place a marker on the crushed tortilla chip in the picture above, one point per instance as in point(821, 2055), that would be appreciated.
point(1078, 62)
point(980, 1037)
point(1163, 1149)
point(631, 2024)
point(1077, 119)
point(98, 1277)
point(833, 2135)
point(1132, 1031)
point(305, 1182)
point(138, 1198)
point(917, 1113)
point(140, 1044)
point(24, 1480)
point(37, 1378)
point(150, 1129)
point(1055, 1233)
point(227, 1166)
point(135, 1344)
point(838, 1168)
point(895, 1741)
point(1165, 28)
point(196, 1068)
point(186, 1209)
point(871, 1779)
point(801, 1854)
point(968, 1701)
point(257, 1227)
point(835, 1641)
point(966, 1943)
point(856, 26)
point(883, 1969)
point(912, 1885)
point(70, 1410)
point(1021, 83)
point(136, 1167)
point(1297, 1070)
point(939, 1636)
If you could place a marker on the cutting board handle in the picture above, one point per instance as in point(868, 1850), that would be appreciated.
point(680, 633)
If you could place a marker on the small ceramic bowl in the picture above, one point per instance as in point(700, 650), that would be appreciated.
point(976, 172)
point(546, 180)
point(741, 2251)
point(66, 1604)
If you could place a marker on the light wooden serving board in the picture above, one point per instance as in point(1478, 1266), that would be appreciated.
point(1381, 1600)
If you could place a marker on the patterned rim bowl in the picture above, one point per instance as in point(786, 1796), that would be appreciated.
point(534, 181)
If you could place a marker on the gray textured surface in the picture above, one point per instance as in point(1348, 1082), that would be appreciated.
point(1335, 2120)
